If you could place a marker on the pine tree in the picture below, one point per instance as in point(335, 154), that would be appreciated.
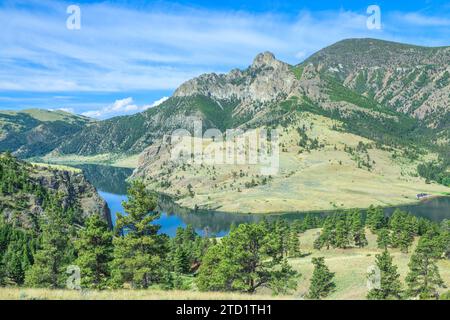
point(181, 260)
point(55, 252)
point(405, 240)
point(139, 252)
point(246, 259)
point(384, 238)
point(375, 218)
point(327, 235)
point(95, 248)
point(342, 233)
point(16, 261)
point(357, 229)
point(322, 283)
point(404, 227)
point(389, 286)
point(423, 278)
point(281, 235)
point(294, 244)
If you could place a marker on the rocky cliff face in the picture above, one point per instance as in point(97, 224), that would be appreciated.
point(265, 80)
point(76, 191)
point(25, 187)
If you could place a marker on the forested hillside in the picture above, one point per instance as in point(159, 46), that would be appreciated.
point(27, 190)
point(37, 132)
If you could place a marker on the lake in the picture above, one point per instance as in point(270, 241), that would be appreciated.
point(111, 183)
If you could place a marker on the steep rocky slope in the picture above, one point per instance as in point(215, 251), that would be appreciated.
point(25, 188)
point(410, 79)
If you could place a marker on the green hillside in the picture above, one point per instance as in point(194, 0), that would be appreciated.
point(37, 132)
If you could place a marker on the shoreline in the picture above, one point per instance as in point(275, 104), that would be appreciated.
point(282, 213)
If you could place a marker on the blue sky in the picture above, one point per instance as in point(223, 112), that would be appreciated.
point(128, 55)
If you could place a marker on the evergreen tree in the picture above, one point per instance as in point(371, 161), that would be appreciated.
point(322, 283)
point(423, 278)
point(245, 260)
point(375, 218)
point(384, 238)
point(95, 248)
point(357, 229)
point(181, 260)
point(327, 235)
point(294, 244)
point(55, 252)
point(404, 227)
point(139, 251)
point(281, 235)
point(16, 260)
point(310, 222)
point(389, 286)
point(342, 233)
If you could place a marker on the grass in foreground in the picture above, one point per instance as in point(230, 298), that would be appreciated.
point(150, 294)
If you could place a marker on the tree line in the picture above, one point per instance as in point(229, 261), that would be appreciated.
point(345, 230)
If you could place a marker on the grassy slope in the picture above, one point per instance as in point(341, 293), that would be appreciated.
point(323, 179)
point(47, 115)
point(350, 266)
point(113, 160)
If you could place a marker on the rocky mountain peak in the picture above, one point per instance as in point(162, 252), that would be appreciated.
point(264, 80)
point(264, 59)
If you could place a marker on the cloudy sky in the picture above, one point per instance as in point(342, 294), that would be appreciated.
point(128, 56)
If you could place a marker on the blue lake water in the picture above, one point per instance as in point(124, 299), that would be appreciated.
point(111, 183)
point(168, 222)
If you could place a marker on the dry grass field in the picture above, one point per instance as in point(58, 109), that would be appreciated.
point(47, 294)
point(350, 266)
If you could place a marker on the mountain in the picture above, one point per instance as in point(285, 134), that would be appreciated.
point(345, 142)
point(36, 132)
point(355, 78)
point(410, 79)
point(387, 82)
point(26, 188)
point(228, 104)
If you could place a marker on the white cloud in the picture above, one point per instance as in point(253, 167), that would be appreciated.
point(121, 106)
point(155, 104)
point(158, 49)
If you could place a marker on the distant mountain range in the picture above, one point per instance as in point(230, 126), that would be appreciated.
point(34, 132)
point(394, 97)
point(379, 79)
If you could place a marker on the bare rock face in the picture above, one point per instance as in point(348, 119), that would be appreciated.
point(76, 191)
point(25, 205)
point(265, 80)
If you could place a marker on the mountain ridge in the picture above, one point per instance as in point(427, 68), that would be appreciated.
point(262, 94)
